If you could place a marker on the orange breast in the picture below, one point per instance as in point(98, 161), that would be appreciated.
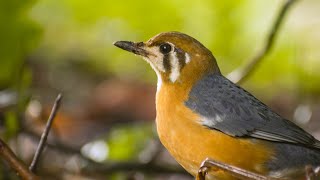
point(190, 143)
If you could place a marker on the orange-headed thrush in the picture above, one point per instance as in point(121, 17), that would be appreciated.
point(201, 114)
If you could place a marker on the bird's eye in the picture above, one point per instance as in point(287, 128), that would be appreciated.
point(165, 48)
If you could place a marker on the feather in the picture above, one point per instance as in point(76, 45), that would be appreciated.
point(226, 107)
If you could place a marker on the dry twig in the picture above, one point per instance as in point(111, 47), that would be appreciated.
point(240, 74)
point(45, 133)
point(19, 167)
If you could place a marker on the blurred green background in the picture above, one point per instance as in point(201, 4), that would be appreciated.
point(47, 47)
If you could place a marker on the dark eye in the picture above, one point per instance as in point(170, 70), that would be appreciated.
point(165, 48)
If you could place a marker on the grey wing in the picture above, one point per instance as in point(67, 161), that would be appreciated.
point(228, 108)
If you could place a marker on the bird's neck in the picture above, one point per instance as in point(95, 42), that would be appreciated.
point(168, 92)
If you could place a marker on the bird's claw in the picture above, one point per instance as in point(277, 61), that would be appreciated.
point(202, 172)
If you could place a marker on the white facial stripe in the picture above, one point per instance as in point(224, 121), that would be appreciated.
point(156, 61)
point(187, 58)
point(159, 83)
point(157, 64)
point(175, 67)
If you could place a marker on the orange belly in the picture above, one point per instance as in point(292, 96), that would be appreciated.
point(190, 143)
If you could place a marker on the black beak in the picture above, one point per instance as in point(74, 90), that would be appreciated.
point(136, 48)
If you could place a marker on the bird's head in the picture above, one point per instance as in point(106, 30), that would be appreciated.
point(176, 57)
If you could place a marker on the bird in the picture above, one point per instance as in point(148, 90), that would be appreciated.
point(200, 115)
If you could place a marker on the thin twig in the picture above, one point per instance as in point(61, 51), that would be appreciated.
point(242, 73)
point(239, 173)
point(57, 145)
point(45, 133)
point(20, 168)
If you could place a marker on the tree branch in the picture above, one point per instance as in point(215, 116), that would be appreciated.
point(16, 164)
point(45, 133)
point(242, 73)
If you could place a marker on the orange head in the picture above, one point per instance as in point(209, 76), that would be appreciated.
point(176, 57)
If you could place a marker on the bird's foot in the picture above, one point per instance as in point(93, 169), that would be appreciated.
point(209, 164)
point(203, 171)
point(312, 173)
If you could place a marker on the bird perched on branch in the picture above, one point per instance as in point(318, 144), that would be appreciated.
point(206, 121)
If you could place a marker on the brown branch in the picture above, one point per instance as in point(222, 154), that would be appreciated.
point(240, 74)
point(19, 167)
point(45, 133)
